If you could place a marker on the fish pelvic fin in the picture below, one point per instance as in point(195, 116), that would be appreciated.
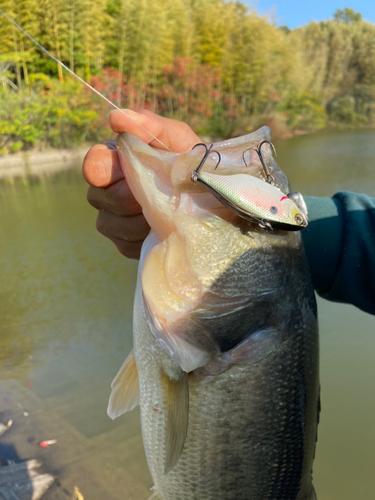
point(176, 401)
point(156, 496)
point(125, 389)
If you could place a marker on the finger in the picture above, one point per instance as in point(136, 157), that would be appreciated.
point(131, 249)
point(116, 198)
point(101, 166)
point(163, 133)
point(134, 228)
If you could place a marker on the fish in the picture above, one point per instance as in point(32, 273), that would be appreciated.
point(225, 358)
point(225, 362)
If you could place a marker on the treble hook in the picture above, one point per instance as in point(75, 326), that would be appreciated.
point(195, 173)
point(269, 178)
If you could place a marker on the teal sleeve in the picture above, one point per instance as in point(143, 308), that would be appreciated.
point(340, 248)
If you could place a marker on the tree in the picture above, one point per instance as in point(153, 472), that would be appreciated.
point(25, 14)
point(53, 26)
point(347, 15)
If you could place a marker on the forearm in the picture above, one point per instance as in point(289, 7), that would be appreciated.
point(340, 243)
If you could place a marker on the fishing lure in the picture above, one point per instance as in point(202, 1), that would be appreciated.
point(249, 197)
point(254, 199)
point(258, 150)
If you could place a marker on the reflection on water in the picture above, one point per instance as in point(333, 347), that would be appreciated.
point(326, 163)
point(65, 307)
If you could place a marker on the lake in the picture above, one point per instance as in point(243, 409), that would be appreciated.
point(66, 326)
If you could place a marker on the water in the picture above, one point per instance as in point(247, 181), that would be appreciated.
point(65, 307)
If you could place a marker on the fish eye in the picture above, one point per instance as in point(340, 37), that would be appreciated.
point(299, 219)
point(273, 210)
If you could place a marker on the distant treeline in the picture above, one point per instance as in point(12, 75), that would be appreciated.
point(213, 63)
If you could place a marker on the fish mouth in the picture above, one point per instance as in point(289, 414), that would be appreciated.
point(158, 180)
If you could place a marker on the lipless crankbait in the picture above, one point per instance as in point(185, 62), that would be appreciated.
point(251, 198)
point(254, 199)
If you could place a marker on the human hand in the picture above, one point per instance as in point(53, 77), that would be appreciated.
point(120, 216)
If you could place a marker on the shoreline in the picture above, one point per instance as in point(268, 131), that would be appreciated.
point(38, 163)
point(28, 164)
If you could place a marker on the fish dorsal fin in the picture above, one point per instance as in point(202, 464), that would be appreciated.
point(313, 494)
point(125, 389)
point(176, 402)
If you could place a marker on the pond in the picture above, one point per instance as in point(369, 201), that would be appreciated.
point(66, 326)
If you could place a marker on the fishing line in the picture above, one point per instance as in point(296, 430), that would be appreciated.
point(81, 79)
point(195, 173)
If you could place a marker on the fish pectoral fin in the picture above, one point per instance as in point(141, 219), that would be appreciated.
point(176, 402)
point(256, 347)
point(125, 389)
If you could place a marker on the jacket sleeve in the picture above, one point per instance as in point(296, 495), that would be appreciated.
point(340, 248)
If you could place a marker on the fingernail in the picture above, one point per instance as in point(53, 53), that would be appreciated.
point(130, 112)
point(124, 111)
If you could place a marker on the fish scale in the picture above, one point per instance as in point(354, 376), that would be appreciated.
point(243, 346)
point(252, 430)
point(251, 423)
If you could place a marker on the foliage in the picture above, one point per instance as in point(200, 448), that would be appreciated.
point(214, 63)
point(60, 115)
point(347, 15)
point(304, 111)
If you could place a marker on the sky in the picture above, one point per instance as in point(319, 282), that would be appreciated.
point(294, 13)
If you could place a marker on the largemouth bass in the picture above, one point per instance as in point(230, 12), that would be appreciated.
point(225, 358)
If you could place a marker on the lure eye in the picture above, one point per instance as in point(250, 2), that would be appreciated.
point(299, 219)
point(273, 210)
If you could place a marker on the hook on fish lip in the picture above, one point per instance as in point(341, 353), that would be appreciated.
point(229, 190)
point(195, 173)
point(258, 149)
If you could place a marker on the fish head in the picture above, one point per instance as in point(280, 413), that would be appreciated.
point(200, 284)
point(236, 180)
